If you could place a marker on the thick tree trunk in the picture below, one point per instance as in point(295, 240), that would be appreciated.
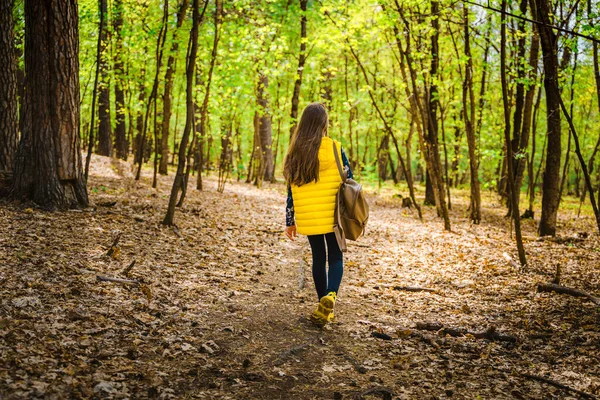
point(300, 69)
point(121, 143)
point(550, 190)
point(48, 167)
point(178, 182)
point(9, 122)
point(104, 129)
point(167, 94)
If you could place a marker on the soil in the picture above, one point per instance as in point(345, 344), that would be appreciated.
point(219, 309)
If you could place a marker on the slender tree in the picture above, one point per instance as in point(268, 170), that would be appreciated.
point(48, 167)
point(92, 127)
point(167, 94)
point(507, 142)
point(204, 109)
point(299, 71)
point(469, 118)
point(121, 143)
point(105, 142)
point(190, 68)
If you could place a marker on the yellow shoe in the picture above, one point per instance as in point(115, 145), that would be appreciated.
point(326, 305)
point(318, 318)
point(330, 318)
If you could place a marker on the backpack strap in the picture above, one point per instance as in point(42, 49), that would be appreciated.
point(342, 171)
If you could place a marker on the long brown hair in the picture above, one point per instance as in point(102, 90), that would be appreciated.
point(301, 164)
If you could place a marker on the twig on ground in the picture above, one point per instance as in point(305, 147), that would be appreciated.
point(127, 270)
point(558, 385)
point(100, 278)
point(415, 289)
point(551, 287)
point(489, 334)
point(114, 248)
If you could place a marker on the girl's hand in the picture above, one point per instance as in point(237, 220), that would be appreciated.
point(290, 232)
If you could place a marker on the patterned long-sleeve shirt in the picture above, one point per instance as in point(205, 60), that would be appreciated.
point(290, 219)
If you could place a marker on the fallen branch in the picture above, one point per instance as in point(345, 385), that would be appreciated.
point(552, 287)
point(100, 278)
point(415, 289)
point(489, 334)
point(583, 395)
point(127, 270)
point(386, 393)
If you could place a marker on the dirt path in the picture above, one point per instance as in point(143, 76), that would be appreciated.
point(220, 313)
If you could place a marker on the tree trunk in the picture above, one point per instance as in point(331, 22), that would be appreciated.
point(550, 190)
point(92, 126)
point(204, 110)
point(509, 154)
point(121, 144)
point(160, 44)
point(300, 69)
point(167, 94)
point(431, 138)
point(192, 52)
point(532, 178)
point(9, 122)
point(48, 167)
point(264, 129)
point(104, 129)
point(528, 110)
point(469, 117)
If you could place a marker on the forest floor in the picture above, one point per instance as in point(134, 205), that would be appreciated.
point(220, 313)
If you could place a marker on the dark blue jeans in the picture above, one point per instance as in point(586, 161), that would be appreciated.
point(324, 282)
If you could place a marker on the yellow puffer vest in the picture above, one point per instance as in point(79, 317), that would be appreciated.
point(314, 203)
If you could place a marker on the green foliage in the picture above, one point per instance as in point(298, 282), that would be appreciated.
point(262, 37)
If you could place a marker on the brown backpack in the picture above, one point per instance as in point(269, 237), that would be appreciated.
point(351, 208)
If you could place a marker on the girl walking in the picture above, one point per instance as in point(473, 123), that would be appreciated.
point(313, 179)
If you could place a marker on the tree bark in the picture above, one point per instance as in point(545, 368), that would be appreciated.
point(550, 189)
point(167, 94)
point(300, 69)
point(160, 44)
point(431, 138)
point(9, 122)
point(48, 167)
point(264, 129)
point(178, 182)
point(204, 110)
point(104, 129)
point(121, 144)
point(528, 110)
point(469, 118)
point(507, 142)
